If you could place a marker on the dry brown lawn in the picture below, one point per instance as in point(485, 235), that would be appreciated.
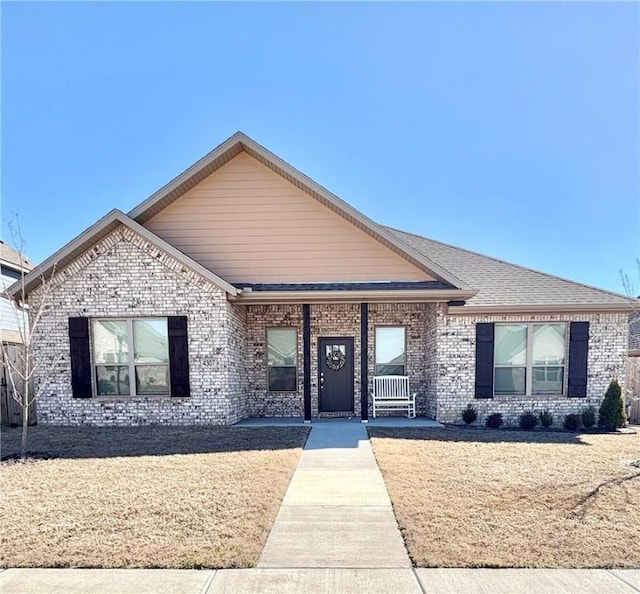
point(473, 498)
point(143, 497)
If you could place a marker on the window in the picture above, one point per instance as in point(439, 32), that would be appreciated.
point(131, 357)
point(282, 355)
point(390, 351)
point(529, 359)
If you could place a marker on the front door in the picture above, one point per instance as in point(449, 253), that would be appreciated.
point(335, 381)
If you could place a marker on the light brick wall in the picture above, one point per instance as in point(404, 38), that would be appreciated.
point(420, 348)
point(124, 275)
point(263, 403)
point(456, 366)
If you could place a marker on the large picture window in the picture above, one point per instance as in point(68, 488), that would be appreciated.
point(282, 356)
point(390, 351)
point(529, 359)
point(131, 357)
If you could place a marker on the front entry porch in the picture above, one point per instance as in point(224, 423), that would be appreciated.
point(311, 360)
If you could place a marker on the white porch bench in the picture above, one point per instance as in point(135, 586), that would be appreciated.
point(391, 393)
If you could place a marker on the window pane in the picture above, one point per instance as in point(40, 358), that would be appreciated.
point(548, 344)
point(110, 343)
point(547, 380)
point(510, 345)
point(390, 356)
point(282, 379)
point(390, 370)
point(112, 380)
point(510, 380)
point(281, 346)
point(152, 379)
point(151, 341)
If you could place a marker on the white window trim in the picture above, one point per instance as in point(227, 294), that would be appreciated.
point(294, 366)
point(528, 365)
point(375, 347)
point(133, 392)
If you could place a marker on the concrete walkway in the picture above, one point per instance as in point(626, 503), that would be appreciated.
point(336, 512)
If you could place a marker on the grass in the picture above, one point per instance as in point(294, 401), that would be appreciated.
point(186, 497)
point(473, 498)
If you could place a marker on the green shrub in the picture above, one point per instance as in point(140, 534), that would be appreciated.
point(469, 414)
point(528, 421)
point(589, 417)
point(573, 422)
point(612, 413)
point(494, 421)
point(546, 419)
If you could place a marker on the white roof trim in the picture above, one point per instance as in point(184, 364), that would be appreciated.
point(240, 141)
point(93, 234)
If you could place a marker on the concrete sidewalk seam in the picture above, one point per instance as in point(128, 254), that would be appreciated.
point(623, 580)
point(207, 584)
point(415, 575)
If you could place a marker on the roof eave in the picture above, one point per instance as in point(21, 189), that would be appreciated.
point(376, 296)
point(540, 308)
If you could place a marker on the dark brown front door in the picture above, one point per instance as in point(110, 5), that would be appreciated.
point(335, 381)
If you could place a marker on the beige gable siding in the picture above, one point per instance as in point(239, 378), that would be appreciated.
point(247, 224)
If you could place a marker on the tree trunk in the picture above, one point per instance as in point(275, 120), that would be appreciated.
point(25, 420)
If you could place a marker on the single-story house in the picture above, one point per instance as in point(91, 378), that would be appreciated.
point(243, 288)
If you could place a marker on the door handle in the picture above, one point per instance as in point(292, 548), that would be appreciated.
point(322, 380)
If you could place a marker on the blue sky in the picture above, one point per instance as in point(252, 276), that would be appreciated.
point(511, 129)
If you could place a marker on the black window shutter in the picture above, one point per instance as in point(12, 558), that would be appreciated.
point(578, 350)
point(178, 356)
point(484, 360)
point(80, 357)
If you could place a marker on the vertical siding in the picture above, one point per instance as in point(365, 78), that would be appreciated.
point(247, 224)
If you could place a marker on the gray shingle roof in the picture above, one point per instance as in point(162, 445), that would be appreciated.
point(12, 257)
point(503, 284)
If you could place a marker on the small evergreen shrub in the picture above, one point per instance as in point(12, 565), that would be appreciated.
point(572, 422)
point(528, 421)
point(611, 414)
point(589, 417)
point(494, 421)
point(469, 414)
point(546, 419)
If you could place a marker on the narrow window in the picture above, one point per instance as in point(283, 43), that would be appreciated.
point(390, 351)
point(151, 356)
point(510, 359)
point(547, 359)
point(282, 356)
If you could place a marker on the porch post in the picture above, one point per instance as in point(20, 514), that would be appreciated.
point(306, 357)
point(364, 362)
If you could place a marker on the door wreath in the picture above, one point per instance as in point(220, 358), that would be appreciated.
point(335, 360)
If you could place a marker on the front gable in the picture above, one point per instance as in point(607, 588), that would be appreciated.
point(250, 225)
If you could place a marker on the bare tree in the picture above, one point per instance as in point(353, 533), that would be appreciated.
point(632, 383)
point(24, 367)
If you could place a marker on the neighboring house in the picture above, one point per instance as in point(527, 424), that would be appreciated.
point(12, 320)
point(13, 328)
point(244, 288)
